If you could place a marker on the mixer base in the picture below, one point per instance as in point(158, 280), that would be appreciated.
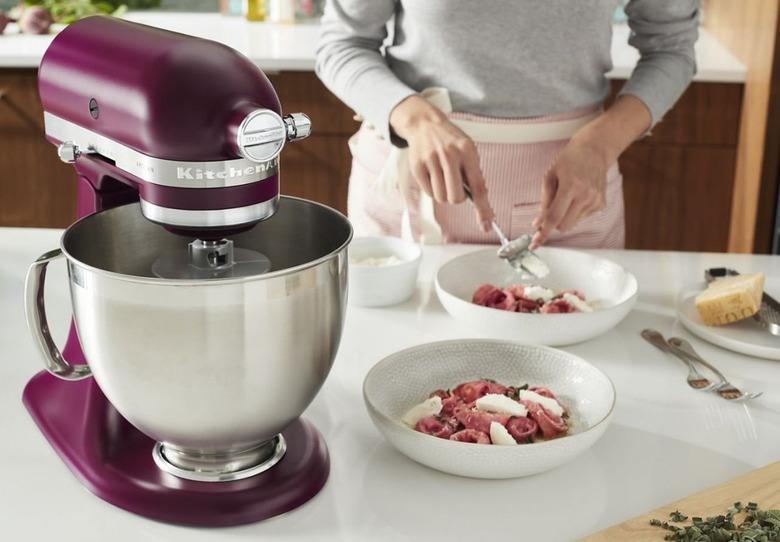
point(114, 461)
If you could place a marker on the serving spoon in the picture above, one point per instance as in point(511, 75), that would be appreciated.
point(516, 252)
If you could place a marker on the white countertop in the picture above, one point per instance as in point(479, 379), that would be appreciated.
point(666, 440)
point(291, 47)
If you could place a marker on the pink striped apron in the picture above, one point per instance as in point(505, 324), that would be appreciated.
point(514, 173)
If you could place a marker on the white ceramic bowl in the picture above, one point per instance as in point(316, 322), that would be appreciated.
point(610, 286)
point(385, 285)
point(406, 378)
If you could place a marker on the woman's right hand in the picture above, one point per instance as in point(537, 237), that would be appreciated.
point(441, 156)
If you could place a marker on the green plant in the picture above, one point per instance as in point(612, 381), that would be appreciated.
point(67, 11)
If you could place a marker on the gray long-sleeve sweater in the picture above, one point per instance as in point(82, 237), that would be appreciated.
point(502, 58)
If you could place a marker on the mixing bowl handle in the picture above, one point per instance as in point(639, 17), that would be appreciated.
point(35, 311)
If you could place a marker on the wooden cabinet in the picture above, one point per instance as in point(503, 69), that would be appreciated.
point(316, 168)
point(678, 187)
point(679, 181)
point(678, 197)
point(36, 189)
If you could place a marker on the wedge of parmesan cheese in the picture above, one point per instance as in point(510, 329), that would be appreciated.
point(501, 404)
point(429, 407)
point(499, 435)
point(730, 299)
point(553, 406)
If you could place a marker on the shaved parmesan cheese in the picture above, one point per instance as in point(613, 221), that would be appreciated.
point(499, 435)
point(429, 407)
point(495, 402)
point(549, 404)
point(535, 265)
point(538, 293)
point(577, 303)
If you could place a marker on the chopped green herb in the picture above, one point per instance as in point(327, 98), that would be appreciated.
point(757, 526)
point(514, 391)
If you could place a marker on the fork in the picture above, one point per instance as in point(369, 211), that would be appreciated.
point(725, 389)
point(516, 252)
point(695, 379)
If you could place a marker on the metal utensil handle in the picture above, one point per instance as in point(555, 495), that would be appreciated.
point(35, 311)
point(503, 238)
point(684, 347)
point(718, 273)
point(656, 339)
point(467, 190)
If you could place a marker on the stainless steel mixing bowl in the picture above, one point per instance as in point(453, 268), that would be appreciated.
point(212, 369)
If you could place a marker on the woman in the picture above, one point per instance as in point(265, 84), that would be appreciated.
point(502, 96)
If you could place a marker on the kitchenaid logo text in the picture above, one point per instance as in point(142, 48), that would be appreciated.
point(196, 173)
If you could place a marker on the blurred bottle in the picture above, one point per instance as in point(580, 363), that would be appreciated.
point(309, 10)
point(254, 10)
point(231, 7)
point(281, 11)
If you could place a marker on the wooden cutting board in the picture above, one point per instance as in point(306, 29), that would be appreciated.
point(761, 486)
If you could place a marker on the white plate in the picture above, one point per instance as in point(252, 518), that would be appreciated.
point(610, 286)
point(745, 337)
point(405, 378)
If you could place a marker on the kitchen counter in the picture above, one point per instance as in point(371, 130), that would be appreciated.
point(665, 441)
point(291, 47)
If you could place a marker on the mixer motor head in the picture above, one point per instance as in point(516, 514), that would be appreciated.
point(195, 127)
point(190, 124)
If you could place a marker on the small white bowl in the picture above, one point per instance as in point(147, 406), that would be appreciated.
point(406, 378)
point(612, 289)
point(384, 285)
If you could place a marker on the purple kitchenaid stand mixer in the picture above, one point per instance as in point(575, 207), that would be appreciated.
point(189, 131)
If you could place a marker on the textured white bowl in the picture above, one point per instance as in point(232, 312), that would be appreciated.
point(406, 378)
point(385, 285)
point(608, 284)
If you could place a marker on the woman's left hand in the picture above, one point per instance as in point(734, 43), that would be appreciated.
point(573, 188)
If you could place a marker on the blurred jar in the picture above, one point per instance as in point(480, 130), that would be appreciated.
point(281, 11)
point(254, 10)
